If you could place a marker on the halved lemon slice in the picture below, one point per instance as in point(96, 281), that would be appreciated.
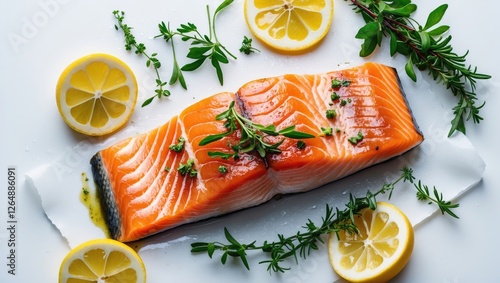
point(102, 260)
point(96, 94)
point(289, 26)
point(380, 250)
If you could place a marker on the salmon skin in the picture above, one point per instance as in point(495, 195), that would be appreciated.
point(142, 192)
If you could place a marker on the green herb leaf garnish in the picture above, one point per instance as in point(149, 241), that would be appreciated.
point(357, 138)
point(328, 131)
point(426, 48)
point(246, 46)
point(140, 49)
point(336, 83)
point(187, 168)
point(178, 146)
point(253, 135)
point(223, 169)
point(202, 47)
point(331, 113)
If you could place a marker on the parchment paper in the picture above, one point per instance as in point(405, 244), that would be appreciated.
point(450, 164)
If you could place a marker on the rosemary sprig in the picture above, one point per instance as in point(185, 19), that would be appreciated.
point(140, 49)
point(426, 48)
point(203, 47)
point(303, 242)
point(253, 135)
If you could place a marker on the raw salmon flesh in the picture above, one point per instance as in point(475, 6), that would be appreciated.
point(142, 192)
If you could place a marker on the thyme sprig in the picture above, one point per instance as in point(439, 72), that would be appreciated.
point(203, 47)
point(253, 135)
point(140, 49)
point(424, 195)
point(426, 48)
point(303, 242)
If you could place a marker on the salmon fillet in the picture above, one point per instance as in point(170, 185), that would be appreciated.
point(142, 192)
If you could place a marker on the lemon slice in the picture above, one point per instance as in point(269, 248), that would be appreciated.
point(96, 94)
point(289, 26)
point(380, 250)
point(102, 260)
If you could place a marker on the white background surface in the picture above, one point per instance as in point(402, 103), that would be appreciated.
point(39, 38)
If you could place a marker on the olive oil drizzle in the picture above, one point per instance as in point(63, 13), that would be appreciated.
point(89, 198)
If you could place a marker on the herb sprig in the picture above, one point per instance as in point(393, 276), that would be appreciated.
point(246, 46)
point(203, 47)
point(303, 242)
point(253, 135)
point(140, 49)
point(426, 48)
